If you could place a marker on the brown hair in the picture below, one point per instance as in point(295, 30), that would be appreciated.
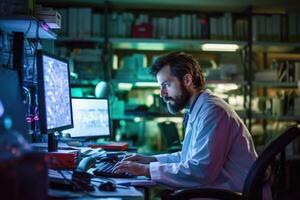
point(180, 64)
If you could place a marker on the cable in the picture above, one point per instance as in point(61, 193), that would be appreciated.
point(28, 102)
point(28, 28)
point(9, 56)
point(35, 50)
point(74, 184)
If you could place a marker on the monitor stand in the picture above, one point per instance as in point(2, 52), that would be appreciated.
point(73, 142)
point(53, 142)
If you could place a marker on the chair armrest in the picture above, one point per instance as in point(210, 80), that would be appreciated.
point(201, 193)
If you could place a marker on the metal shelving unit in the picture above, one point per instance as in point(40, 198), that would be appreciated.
point(154, 44)
point(30, 26)
point(276, 84)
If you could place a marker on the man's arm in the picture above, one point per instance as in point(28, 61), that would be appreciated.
point(132, 168)
point(205, 149)
point(140, 159)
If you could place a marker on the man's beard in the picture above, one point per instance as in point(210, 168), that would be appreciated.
point(180, 102)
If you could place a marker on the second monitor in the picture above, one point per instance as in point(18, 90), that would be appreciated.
point(91, 118)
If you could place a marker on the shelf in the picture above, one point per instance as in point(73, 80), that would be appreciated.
point(123, 117)
point(166, 44)
point(152, 44)
point(279, 46)
point(207, 81)
point(151, 114)
point(83, 85)
point(153, 84)
point(274, 117)
point(136, 83)
point(275, 84)
point(241, 113)
point(85, 42)
point(83, 39)
point(211, 82)
point(30, 26)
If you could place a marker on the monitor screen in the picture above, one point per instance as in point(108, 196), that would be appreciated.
point(55, 107)
point(91, 118)
point(12, 109)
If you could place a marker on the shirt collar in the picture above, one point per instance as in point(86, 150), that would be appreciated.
point(198, 103)
point(192, 106)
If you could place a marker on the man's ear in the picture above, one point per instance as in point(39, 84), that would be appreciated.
point(188, 80)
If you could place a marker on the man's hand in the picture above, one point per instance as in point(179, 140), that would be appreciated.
point(133, 168)
point(140, 159)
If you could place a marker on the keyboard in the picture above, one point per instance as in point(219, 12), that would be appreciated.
point(105, 168)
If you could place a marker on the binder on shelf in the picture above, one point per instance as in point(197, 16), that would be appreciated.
point(72, 22)
point(282, 72)
point(297, 71)
point(84, 19)
point(97, 21)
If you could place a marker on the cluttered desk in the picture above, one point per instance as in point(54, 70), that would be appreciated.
point(74, 172)
point(93, 177)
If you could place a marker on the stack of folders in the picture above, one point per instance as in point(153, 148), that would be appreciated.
point(111, 146)
point(63, 159)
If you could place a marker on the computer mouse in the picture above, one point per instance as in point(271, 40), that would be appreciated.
point(107, 186)
point(86, 163)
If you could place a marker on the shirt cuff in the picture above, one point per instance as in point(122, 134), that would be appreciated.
point(162, 158)
point(154, 171)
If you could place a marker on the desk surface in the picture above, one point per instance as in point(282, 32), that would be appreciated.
point(129, 193)
point(123, 191)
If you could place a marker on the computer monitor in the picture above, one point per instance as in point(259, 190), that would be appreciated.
point(12, 109)
point(55, 108)
point(91, 118)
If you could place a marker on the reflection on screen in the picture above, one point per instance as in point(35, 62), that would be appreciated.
point(90, 117)
point(57, 94)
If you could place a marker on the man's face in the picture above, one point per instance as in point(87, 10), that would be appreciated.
point(172, 91)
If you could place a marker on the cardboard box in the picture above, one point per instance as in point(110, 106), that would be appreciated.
point(51, 17)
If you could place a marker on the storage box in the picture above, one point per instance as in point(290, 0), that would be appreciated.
point(51, 17)
point(143, 30)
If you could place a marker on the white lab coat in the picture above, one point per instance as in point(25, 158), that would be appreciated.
point(217, 149)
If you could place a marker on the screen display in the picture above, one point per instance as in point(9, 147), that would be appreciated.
point(91, 118)
point(55, 96)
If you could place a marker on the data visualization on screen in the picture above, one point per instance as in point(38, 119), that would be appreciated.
point(54, 89)
point(91, 118)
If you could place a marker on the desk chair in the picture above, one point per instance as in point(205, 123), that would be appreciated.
point(170, 136)
point(254, 181)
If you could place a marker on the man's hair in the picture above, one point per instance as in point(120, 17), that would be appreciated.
point(180, 64)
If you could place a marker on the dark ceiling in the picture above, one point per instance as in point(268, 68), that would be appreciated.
point(179, 4)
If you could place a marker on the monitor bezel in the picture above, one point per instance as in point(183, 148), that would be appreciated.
point(41, 93)
point(109, 120)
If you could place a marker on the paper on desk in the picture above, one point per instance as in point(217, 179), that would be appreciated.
point(138, 181)
point(120, 192)
point(60, 174)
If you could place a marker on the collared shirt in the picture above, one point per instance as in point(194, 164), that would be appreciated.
point(188, 112)
point(217, 150)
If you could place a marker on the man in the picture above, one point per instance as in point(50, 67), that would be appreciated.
point(217, 149)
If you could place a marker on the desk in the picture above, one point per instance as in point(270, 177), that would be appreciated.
point(126, 188)
point(129, 193)
point(123, 192)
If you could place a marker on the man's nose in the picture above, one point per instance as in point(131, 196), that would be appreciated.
point(163, 92)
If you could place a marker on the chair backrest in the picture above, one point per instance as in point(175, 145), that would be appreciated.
point(169, 133)
point(255, 178)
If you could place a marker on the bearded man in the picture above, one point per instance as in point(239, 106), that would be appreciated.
point(217, 149)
